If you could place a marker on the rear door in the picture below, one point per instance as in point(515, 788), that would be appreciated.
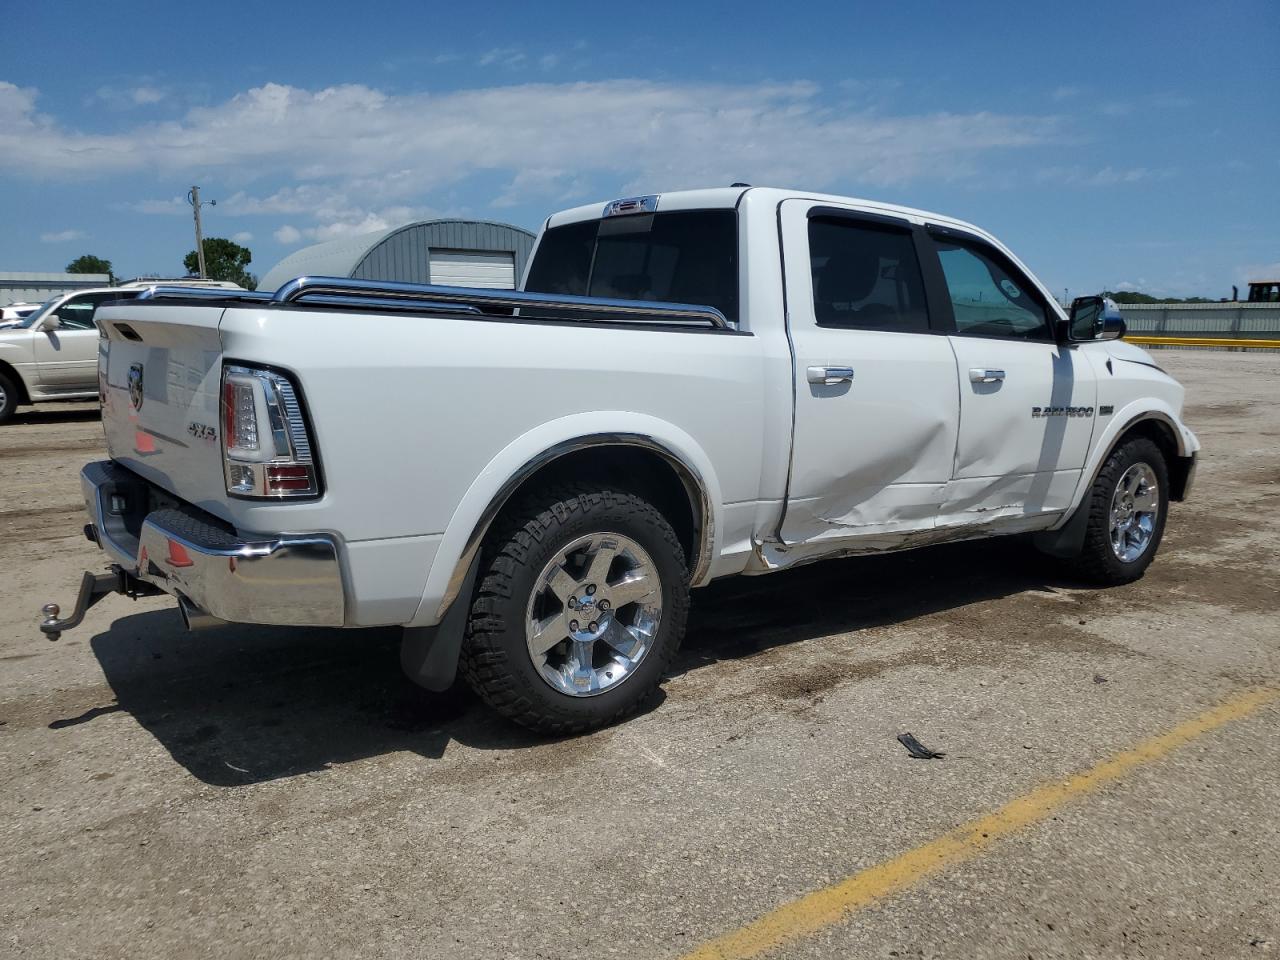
point(875, 385)
point(1026, 402)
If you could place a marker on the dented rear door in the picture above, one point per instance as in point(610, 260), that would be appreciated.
point(872, 451)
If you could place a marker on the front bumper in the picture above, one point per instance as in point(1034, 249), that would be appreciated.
point(280, 579)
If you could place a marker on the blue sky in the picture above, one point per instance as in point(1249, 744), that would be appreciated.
point(1109, 145)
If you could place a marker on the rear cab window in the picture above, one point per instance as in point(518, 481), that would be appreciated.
point(866, 276)
point(682, 256)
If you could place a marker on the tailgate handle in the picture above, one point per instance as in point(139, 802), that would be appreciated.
point(829, 375)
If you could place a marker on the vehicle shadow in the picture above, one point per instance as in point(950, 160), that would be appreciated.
point(245, 704)
point(52, 414)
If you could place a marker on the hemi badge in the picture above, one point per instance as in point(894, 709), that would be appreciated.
point(1106, 411)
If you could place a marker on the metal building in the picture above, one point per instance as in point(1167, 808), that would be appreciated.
point(461, 253)
point(25, 287)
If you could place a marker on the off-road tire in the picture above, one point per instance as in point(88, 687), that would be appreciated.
point(9, 404)
point(1097, 562)
point(495, 658)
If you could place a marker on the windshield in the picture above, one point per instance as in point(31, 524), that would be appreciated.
point(679, 257)
point(28, 322)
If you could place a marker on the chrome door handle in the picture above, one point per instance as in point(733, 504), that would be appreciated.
point(829, 375)
point(983, 375)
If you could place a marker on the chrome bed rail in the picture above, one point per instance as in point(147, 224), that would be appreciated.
point(342, 289)
point(391, 295)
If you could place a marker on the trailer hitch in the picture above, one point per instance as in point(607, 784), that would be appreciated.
point(93, 587)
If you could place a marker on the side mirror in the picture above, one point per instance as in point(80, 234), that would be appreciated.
point(51, 323)
point(1094, 318)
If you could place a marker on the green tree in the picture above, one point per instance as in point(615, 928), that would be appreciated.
point(224, 260)
point(91, 264)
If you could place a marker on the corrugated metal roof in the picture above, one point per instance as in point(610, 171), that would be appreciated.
point(399, 253)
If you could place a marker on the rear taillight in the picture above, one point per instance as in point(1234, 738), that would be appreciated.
point(266, 450)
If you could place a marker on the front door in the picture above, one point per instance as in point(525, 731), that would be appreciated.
point(1026, 402)
point(875, 386)
point(67, 357)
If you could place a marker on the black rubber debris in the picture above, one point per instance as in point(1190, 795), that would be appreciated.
point(917, 749)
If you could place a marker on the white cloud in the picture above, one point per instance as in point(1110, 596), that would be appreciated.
point(1065, 93)
point(244, 236)
point(125, 98)
point(63, 236)
point(172, 205)
point(145, 95)
point(502, 57)
point(661, 135)
point(1104, 177)
point(288, 235)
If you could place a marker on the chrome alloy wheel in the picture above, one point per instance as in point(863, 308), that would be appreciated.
point(593, 614)
point(4, 396)
point(1135, 506)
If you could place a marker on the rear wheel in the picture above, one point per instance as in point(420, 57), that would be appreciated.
point(8, 397)
point(1127, 508)
point(580, 608)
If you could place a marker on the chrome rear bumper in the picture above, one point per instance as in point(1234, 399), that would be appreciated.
point(281, 579)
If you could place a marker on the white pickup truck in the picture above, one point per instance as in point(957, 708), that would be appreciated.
point(688, 386)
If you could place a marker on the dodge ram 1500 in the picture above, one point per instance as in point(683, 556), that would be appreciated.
point(687, 386)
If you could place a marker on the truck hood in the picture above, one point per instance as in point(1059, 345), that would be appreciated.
point(1123, 350)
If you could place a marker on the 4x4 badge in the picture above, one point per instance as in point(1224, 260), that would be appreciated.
point(135, 385)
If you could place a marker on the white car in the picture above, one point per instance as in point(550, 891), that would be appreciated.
point(52, 353)
point(689, 386)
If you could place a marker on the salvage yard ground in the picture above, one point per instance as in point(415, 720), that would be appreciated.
point(265, 792)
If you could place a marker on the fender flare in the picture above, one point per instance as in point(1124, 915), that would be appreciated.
point(1122, 422)
point(529, 453)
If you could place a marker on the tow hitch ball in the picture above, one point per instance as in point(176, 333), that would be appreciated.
point(93, 587)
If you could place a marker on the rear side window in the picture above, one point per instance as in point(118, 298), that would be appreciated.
point(679, 257)
point(78, 313)
point(988, 298)
point(866, 276)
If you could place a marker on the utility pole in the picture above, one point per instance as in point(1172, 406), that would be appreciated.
point(193, 198)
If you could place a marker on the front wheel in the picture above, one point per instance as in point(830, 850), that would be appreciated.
point(1127, 508)
point(580, 608)
point(8, 397)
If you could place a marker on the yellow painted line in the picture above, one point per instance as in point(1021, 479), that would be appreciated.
point(827, 906)
point(1204, 341)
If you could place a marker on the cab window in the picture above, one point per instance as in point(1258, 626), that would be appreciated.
point(77, 314)
point(988, 298)
point(866, 276)
point(686, 256)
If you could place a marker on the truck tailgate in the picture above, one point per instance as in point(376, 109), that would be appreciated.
point(160, 382)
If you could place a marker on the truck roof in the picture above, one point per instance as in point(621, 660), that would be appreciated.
point(728, 197)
